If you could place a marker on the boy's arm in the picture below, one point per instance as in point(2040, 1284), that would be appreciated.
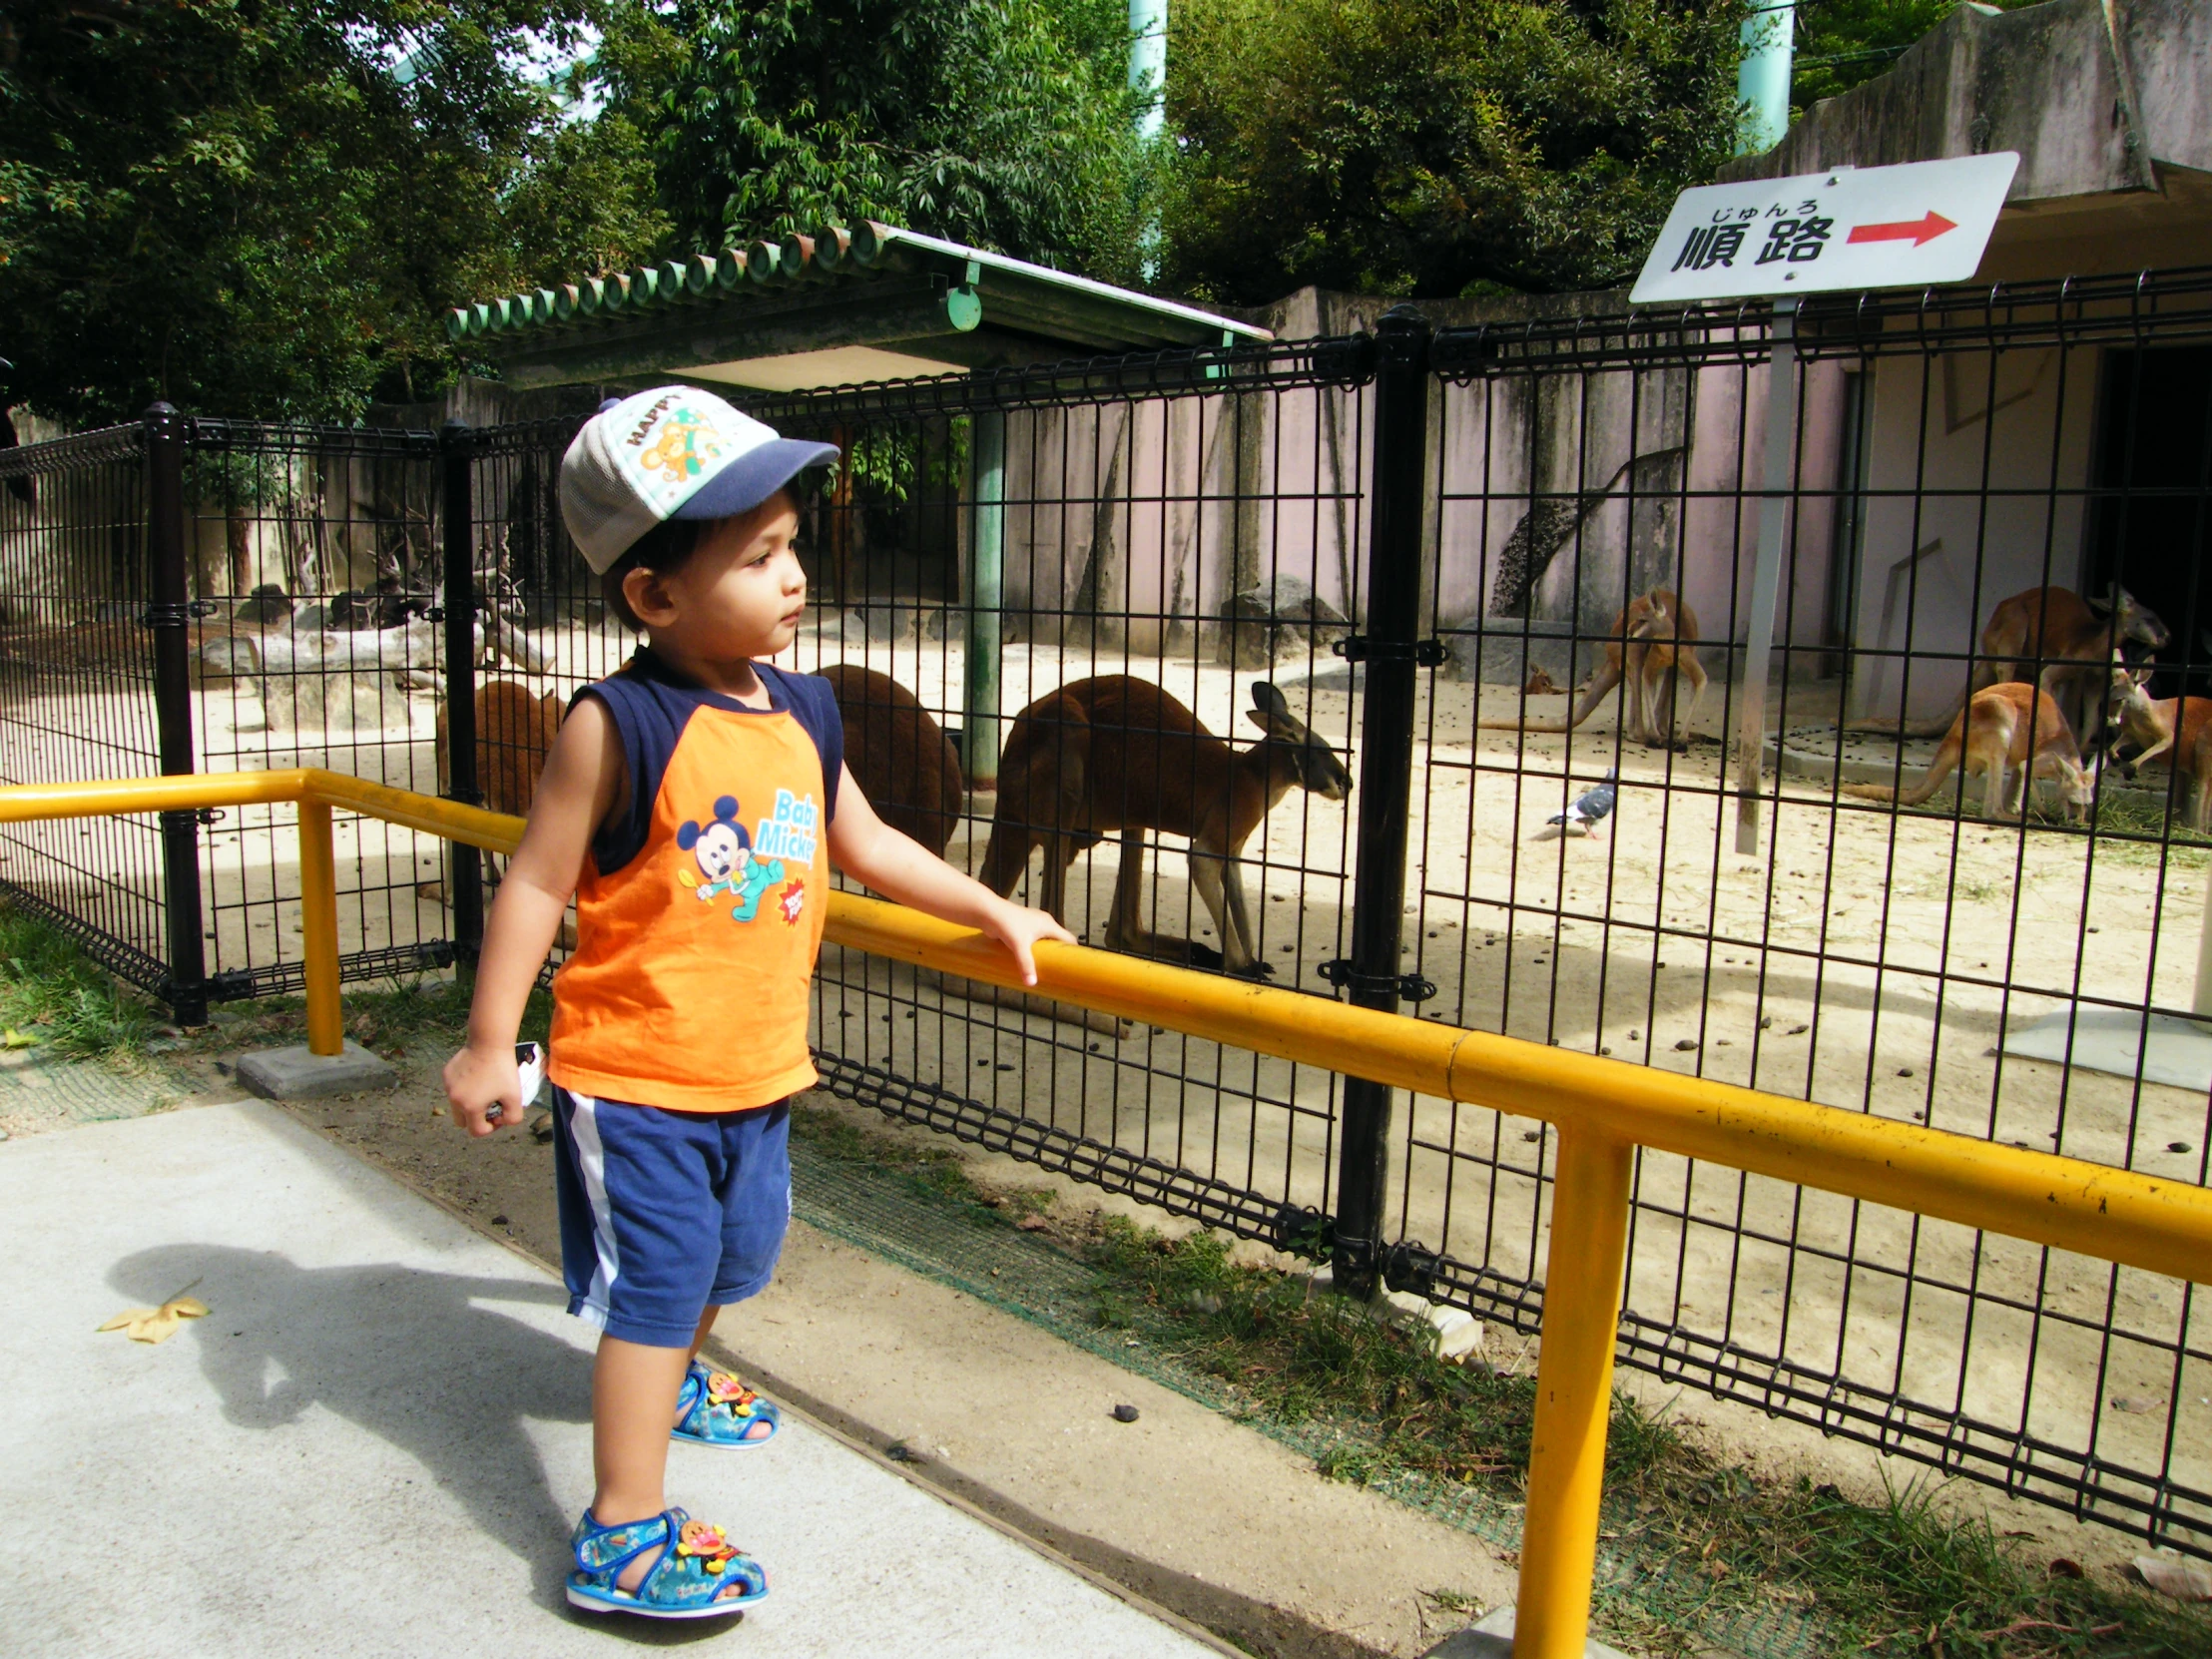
point(583, 775)
point(900, 869)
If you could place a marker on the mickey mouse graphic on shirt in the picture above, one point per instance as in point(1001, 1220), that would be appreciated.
point(723, 853)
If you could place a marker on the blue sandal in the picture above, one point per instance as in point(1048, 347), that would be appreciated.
point(717, 1408)
point(694, 1566)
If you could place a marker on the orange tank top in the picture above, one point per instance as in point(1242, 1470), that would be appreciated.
point(701, 907)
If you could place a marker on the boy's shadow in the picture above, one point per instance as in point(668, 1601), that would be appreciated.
point(409, 1357)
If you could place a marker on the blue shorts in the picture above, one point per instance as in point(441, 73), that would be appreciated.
point(665, 1213)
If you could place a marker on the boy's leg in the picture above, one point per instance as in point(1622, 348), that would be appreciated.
point(755, 1199)
point(639, 1213)
point(633, 1399)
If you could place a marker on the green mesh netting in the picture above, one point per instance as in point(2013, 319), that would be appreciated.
point(49, 1089)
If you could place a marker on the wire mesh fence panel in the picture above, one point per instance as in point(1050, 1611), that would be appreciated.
point(1863, 890)
point(312, 559)
point(545, 627)
point(77, 698)
point(1110, 590)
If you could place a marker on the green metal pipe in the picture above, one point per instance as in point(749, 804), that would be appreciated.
point(987, 593)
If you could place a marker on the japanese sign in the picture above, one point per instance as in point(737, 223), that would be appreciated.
point(1865, 227)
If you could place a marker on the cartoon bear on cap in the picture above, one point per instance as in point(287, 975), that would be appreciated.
point(723, 853)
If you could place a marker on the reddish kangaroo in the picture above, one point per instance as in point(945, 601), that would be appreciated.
point(1650, 641)
point(900, 757)
point(1120, 754)
point(514, 733)
point(1992, 734)
point(2168, 731)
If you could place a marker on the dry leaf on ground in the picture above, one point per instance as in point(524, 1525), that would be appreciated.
point(2183, 1580)
point(12, 1038)
point(157, 1325)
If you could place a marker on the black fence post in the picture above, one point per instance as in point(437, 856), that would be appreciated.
point(464, 871)
point(1390, 647)
point(167, 612)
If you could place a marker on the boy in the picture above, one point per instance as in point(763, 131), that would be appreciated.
point(690, 803)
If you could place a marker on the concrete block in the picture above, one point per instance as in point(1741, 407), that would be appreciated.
point(295, 1074)
point(1491, 1637)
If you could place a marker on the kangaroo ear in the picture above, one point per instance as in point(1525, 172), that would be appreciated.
point(1264, 721)
point(1269, 701)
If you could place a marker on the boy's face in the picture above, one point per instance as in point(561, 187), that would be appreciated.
point(740, 595)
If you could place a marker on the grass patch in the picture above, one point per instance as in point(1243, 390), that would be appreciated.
point(393, 1019)
point(55, 996)
point(1902, 1576)
point(2142, 831)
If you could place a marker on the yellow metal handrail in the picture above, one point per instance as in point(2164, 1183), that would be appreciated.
point(1603, 1110)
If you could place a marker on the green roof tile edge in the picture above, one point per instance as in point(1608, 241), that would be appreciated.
point(827, 255)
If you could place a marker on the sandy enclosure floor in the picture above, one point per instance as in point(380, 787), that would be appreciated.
point(1863, 960)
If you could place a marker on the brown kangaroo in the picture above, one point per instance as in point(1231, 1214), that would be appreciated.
point(900, 757)
point(1120, 754)
point(1653, 638)
point(1992, 734)
point(2071, 637)
point(514, 733)
point(2168, 731)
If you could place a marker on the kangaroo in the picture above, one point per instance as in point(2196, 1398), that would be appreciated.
point(900, 757)
point(2168, 731)
point(1653, 638)
point(1992, 736)
point(514, 733)
point(1117, 753)
point(2058, 629)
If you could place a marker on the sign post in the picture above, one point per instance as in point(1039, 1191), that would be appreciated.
point(1766, 574)
point(1912, 226)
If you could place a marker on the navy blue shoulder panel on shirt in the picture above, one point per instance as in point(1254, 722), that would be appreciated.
point(814, 706)
point(649, 710)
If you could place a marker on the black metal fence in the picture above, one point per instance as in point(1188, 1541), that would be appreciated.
point(1422, 541)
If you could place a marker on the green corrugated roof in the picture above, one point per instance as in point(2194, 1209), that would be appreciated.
point(839, 305)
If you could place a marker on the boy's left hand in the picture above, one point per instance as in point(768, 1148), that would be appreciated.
point(1019, 928)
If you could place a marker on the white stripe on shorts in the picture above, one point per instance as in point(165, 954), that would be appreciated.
point(590, 1163)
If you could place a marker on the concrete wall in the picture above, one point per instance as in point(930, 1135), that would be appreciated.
point(2107, 102)
point(1552, 499)
point(1945, 548)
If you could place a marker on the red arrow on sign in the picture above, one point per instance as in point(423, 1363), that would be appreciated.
point(1913, 231)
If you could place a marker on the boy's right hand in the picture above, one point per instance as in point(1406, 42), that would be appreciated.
point(479, 1078)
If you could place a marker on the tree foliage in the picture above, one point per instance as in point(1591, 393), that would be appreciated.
point(1006, 123)
point(263, 206)
point(1431, 146)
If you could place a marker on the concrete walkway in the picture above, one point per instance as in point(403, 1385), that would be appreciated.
point(378, 1440)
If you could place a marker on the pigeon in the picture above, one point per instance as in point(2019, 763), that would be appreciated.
point(1590, 808)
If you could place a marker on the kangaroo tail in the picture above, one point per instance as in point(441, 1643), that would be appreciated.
point(1908, 729)
point(1600, 688)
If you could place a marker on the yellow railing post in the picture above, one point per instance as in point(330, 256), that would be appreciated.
point(1574, 1394)
point(319, 917)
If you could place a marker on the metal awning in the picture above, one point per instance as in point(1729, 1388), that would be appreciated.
point(834, 308)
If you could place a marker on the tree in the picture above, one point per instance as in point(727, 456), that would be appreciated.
point(264, 206)
point(1006, 124)
point(1431, 148)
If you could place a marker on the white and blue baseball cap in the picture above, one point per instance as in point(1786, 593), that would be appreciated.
point(672, 452)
